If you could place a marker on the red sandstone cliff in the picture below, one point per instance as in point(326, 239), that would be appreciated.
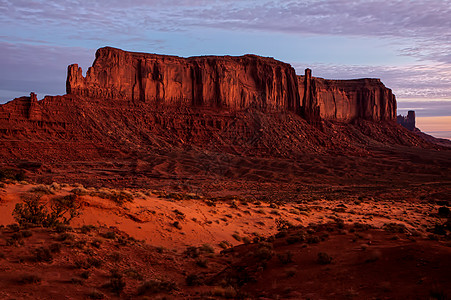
point(346, 100)
point(234, 83)
point(229, 82)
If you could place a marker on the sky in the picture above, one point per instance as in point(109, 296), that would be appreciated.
point(406, 43)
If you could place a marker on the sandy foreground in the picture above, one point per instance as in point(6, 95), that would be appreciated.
point(161, 244)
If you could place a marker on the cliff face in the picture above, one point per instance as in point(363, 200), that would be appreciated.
point(229, 82)
point(234, 83)
point(345, 100)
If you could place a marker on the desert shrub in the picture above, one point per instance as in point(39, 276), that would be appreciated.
point(33, 212)
point(62, 228)
point(237, 237)
point(96, 243)
point(285, 258)
point(439, 229)
point(117, 283)
point(206, 248)
point(283, 224)
point(273, 205)
point(179, 214)
point(12, 174)
point(177, 225)
point(264, 251)
point(13, 227)
point(29, 279)
point(64, 209)
point(111, 235)
point(313, 239)
point(42, 254)
point(41, 189)
point(224, 244)
point(55, 186)
point(120, 197)
point(361, 226)
point(275, 212)
point(443, 211)
point(64, 237)
point(80, 191)
point(156, 286)
point(246, 240)
point(87, 228)
point(203, 263)
point(295, 239)
point(192, 252)
point(233, 204)
point(394, 227)
point(324, 258)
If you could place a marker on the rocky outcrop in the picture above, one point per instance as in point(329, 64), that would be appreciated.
point(345, 100)
point(232, 83)
point(223, 82)
point(408, 121)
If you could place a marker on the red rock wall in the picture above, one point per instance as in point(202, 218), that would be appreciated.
point(346, 100)
point(230, 82)
point(234, 83)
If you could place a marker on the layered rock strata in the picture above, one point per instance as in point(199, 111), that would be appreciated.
point(232, 83)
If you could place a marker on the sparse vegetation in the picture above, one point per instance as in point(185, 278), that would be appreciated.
point(118, 196)
point(42, 254)
point(224, 244)
point(33, 212)
point(324, 258)
point(111, 235)
point(177, 225)
point(203, 263)
point(237, 237)
point(42, 189)
point(395, 228)
point(156, 286)
point(12, 174)
point(116, 283)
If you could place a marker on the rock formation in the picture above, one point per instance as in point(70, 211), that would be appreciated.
point(232, 83)
point(223, 82)
point(408, 121)
point(345, 100)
